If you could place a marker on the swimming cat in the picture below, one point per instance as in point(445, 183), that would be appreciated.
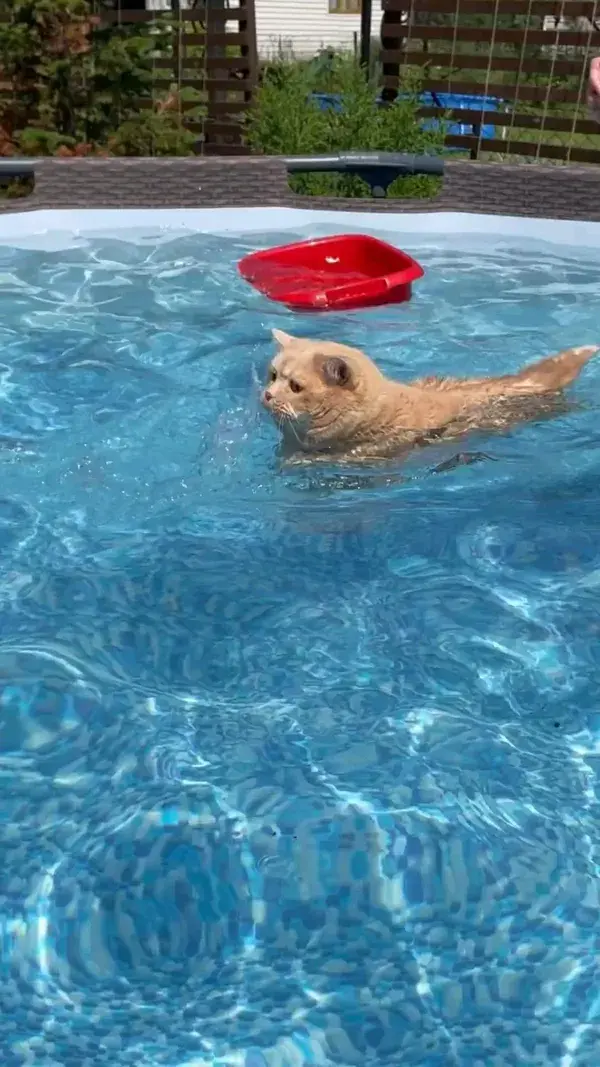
point(328, 398)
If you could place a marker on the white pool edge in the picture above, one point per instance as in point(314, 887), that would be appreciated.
point(59, 228)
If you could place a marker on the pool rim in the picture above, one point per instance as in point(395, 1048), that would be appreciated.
point(521, 190)
point(56, 229)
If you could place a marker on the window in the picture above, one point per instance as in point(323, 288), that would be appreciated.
point(344, 7)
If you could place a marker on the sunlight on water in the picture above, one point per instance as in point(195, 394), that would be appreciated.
point(299, 766)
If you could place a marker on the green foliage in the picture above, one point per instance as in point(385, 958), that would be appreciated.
point(163, 133)
point(286, 120)
point(16, 188)
point(79, 87)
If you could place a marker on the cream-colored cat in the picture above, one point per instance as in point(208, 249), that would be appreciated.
point(329, 398)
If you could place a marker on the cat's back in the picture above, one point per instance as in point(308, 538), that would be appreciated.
point(425, 405)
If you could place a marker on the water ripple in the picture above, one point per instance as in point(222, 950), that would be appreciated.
point(299, 767)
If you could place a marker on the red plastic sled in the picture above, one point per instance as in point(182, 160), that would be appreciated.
point(333, 273)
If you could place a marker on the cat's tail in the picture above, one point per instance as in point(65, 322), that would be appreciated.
point(554, 373)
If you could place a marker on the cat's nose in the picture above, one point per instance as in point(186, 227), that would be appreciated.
point(268, 396)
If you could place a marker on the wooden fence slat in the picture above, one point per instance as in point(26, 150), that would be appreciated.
point(225, 150)
point(229, 85)
point(218, 40)
point(223, 14)
point(233, 63)
point(222, 109)
point(526, 148)
point(229, 14)
point(228, 108)
point(517, 120)
point(190, 63)
point(222, 129)
point(485, 35)
point(224, 85)
point(537, 8)
point(529, 93)
point(465, 61)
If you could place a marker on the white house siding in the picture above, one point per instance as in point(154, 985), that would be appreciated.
point(301, 27)
point(305, 26)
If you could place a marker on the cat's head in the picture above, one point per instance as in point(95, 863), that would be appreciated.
point(316, 389)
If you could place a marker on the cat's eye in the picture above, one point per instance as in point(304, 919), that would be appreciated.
point(295, 386)
point(272, 375)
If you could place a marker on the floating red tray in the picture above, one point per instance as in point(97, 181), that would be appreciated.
point(333, 273)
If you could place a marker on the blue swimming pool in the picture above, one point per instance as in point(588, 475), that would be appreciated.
point(298, 766)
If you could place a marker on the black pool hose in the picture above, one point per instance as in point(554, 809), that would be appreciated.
point(378, 169)
point(17, 168)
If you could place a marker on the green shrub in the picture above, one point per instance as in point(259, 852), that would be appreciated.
point(15, 188)
point(80, 87)
point(285, 120)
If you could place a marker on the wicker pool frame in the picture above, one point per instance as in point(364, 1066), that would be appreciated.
point(527, 190)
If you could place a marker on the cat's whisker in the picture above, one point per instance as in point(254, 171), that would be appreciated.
point(295, 432)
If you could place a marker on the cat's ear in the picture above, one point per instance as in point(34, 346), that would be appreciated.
point(336, 371)
point(281, 338)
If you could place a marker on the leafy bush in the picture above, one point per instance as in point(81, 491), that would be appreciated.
point(286, 120)
point(16, 188)
point(77, 86)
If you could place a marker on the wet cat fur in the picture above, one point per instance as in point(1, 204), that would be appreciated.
point(328, 398)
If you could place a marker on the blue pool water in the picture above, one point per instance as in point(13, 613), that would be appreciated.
point(298, 767)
